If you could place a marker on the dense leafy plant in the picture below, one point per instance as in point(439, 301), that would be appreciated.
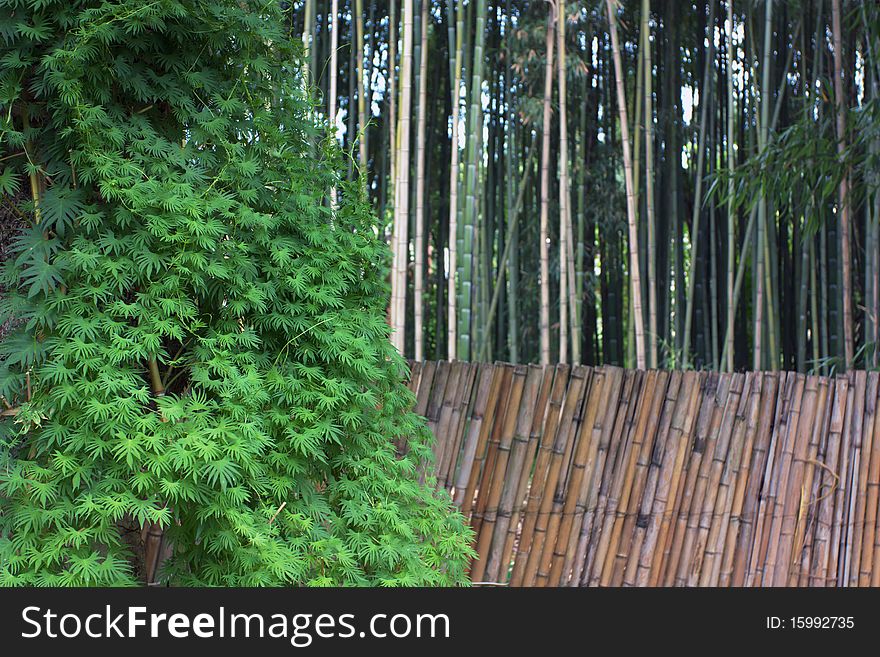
point(203, 342)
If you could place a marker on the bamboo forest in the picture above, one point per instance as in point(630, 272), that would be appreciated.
point(647, 183)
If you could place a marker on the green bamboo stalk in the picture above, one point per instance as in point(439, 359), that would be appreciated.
point(475, 117)
point(765, 261)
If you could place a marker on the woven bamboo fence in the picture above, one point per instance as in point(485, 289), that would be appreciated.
point(581, 476)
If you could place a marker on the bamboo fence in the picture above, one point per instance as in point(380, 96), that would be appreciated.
point(599, 476)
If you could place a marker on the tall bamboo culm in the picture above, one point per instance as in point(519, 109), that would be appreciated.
point(452, 266)
point(567, 271)
point(418, 287)
point(544, 325)
point(401, 186)
point(635, 274)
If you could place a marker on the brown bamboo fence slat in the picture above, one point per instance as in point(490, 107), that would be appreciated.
point(582, 476)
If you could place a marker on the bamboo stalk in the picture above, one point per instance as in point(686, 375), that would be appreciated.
point(485, 463)
point(764, 548)
point(448, 438)
point(649, 187)
point(836, 556)
point(709, 481)
point(872, 484)
point(526, 450)
point(494, 484)
point(613, 454)
point(534, 574)
point(792, 506)
point(723, 480)
point(584, 471)
point(360, 61)
point(415, 373)
point(851, 495)
point(478, 437)
point(863, 450)
point(614, 381)
point(741, 478)
point(658, 539)
point(451, 293)
point(522, 574)
point(635, 275)
point(567, 290)
point(830, 483)
point(622, 555)
point(843, 200)
point(701, 468)
point(813, 491)
point(400, 239)
point(544, 324)
point(498, 564)
point(742, 560)
point(799, 563)
point(559, 468)
point(672, 550)
point(419, 246)
point(622, 542)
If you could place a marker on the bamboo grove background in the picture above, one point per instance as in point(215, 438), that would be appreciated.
point(582, 476)
point(648, 183)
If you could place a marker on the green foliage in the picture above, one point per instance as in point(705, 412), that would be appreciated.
point(800, 170)
point(184, 221)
